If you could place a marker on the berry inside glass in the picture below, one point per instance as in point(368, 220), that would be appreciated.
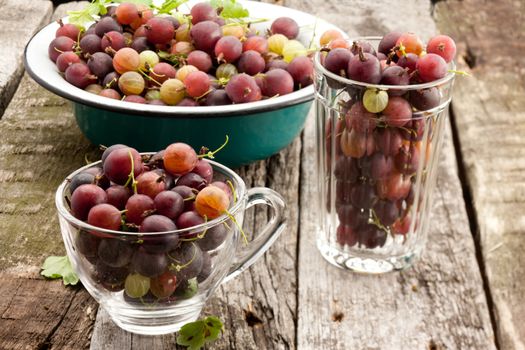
point(152, 235)
point(381, 107)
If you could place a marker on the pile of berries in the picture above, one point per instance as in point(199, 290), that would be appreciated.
point(384, 135)
point(172, 189)
point(195, 59)
point(400, 59)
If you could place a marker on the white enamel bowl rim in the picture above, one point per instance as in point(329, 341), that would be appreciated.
point(44, 72)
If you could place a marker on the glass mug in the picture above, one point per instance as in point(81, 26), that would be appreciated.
point(133, 275)
point(376, 177)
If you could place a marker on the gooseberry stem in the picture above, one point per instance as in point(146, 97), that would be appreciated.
point(310, 44)
point(131, 176)
point(233, 191)
point(148, 77)
point(238, 226)
point(459, 72)
point(179, 267)
point(211, 154)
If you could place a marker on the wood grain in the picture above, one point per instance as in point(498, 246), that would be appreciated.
point(31, 310)
point(490, 124)
point(38, 143)
point(19, 21)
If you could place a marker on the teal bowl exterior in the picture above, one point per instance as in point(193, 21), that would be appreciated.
point(256, 130)
point(252, 136)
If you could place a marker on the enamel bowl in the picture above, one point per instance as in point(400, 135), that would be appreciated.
point(256, 130)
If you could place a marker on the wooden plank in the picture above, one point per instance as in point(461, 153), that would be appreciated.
point(40, 145)
point(440, 302)
point(20, 20)
point(36, 313)
point(490, 123)
point(75, 327)
point(28, 317)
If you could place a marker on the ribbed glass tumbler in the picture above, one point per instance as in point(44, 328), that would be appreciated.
point(376, 171)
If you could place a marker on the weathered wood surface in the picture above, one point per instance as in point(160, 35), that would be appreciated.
point(289, 299)
point(19, 21)
point(490, 124)
point(37, 145)
point(37, 314)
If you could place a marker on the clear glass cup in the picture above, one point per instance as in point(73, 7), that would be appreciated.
point(376, 174)
point(169, 275)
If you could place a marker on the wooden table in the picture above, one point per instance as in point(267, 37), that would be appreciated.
point(466, 292)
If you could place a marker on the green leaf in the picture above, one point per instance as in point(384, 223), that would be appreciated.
point(93, 9)
point(80, 18)
point(192, 335)
point(170, 5)
point(143, 2)
point(196, 334)
point(59, 267)
point(230, 8)
point(214, 326)
point(102, 9)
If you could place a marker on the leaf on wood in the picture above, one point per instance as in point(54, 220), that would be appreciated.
point(195, 335)
point(59, 267)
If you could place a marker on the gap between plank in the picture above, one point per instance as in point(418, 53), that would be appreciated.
point(46, 344)
point(473, 222)
point(299, 215)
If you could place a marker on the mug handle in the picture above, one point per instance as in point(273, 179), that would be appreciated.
point(265, 238)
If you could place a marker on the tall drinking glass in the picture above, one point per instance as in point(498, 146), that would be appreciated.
point(376, 173)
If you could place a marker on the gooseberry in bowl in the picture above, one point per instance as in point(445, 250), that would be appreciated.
point(191, 74)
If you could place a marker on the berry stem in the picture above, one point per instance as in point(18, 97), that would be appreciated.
point(232, 218)
point(179, 267)
point(211, 154)
point(311, 43)
point(362, 57)
point(459, 72)
point(375, 221)
point(233, 191)
point(148, 77)
point(401, 49)
point(131, 177)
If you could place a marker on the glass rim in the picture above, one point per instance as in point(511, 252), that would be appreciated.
point(239, 187)
point(320, 68)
